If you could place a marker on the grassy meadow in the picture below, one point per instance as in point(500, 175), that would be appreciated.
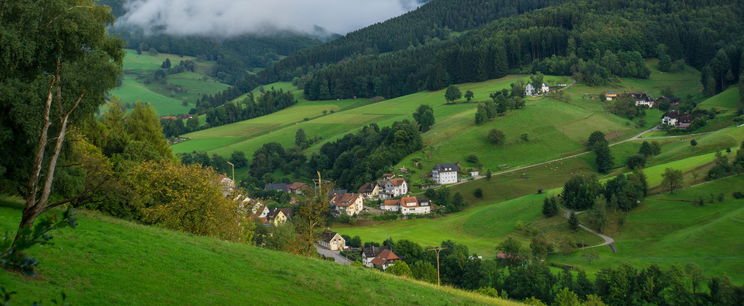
point(176, 95)
point(672, 229)
point(111, 261)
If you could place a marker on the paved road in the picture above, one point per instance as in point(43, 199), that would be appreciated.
point(607, 239)
point(335, 254)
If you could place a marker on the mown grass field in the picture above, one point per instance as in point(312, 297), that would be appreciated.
point(670, 229)
point(348, 116)
point(176, 95)
point(108, 261)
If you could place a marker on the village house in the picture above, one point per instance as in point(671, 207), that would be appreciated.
point(396, 187)
point(413, 206)
point(677, 119)
point(348, 203)
point(297, 187)
point(474, 173)
point(407, 206)
point(384, 260)
point(445, 173)
point(371, 191)
point(370, 253)
point(279, 216)
point(610, 95)
point(531, 91)
point(332, 241)
point(641, 99)
point(227, 185)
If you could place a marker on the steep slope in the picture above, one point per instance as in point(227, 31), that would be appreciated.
point(110, 261)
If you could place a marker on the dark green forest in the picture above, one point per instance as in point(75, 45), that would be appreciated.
point(592, 40)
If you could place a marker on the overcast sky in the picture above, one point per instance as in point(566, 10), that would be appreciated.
point(234, 17)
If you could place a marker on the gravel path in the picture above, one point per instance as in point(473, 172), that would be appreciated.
point(335, 254)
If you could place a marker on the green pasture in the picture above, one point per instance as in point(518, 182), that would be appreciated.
point(671, 229)
point(111, 261)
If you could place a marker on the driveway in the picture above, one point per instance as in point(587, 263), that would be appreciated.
point(335, 254)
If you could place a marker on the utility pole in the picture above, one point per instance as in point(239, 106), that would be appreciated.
point(233, 170)
point(437, 250)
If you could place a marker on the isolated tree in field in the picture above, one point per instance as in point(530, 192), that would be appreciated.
point(496, 137)
point(166, 64)
point(580, 192)
point(540, 248)
point(453, 93)
point(693, 142)
point(550, 207)
point(424, 116)
point(478, 193)
point(573, 221)
point(469, 95)
point(595, 138)
point(59, 68)
point(636, 162)
point(481, 114)
point(603, 158)
point(650, 149)
point(672, 179)
point(300, 138)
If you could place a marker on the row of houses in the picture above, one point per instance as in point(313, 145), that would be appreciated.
point(641, 99)
point(387, 188)
point(372, 257)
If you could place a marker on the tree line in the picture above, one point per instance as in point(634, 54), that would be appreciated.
point(521, 274)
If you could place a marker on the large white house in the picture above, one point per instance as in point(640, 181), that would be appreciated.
point(348, 203)
point(407, 206)
point(396, 187)
point(445, 173)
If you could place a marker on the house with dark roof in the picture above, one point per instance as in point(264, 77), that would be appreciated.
point(641, 99)
point(445, 173)
point(279, 216)
point(332, 241)
point(348, 203)
point(371, 191)
point(677, 119)
point(370, 253)
point(276, 187)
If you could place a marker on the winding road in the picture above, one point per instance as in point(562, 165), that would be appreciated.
point(609, 241)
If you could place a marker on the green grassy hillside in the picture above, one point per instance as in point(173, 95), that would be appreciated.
point(110, 261)
point(672, 229)
point(177, 94)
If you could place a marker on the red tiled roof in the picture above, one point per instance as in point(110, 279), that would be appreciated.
point(397, 181)
point(346, 199)
point(384, 257)
point(404, 202)
point(391, 203)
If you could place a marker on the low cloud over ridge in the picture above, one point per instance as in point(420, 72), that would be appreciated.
point(235, 17)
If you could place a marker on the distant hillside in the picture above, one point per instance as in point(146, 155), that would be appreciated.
point(110, 261)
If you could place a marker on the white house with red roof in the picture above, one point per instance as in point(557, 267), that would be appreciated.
point(396, 187)
point(407, 206)
point(348, 203)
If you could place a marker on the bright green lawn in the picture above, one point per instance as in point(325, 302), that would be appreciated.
point(727, 102)
point(177, 95)
point(669, 229)
point(106, 261)
point(132, 91)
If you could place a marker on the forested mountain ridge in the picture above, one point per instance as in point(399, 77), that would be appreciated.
point(431, 22)
point(590, 39)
